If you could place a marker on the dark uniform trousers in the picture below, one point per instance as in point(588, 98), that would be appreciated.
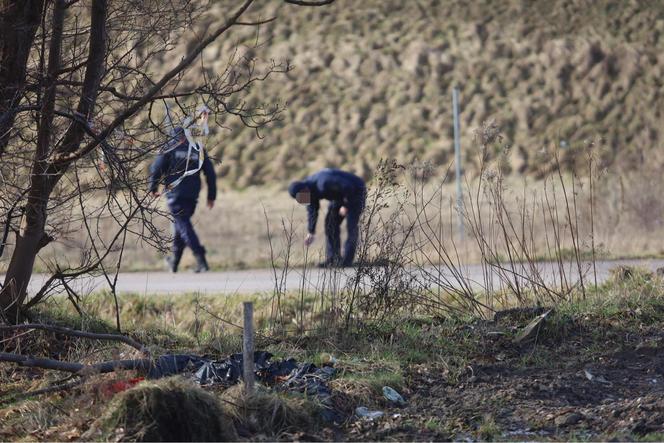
point(183, 230)
point(355, 206)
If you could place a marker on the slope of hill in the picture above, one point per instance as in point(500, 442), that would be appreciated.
point(373, 79)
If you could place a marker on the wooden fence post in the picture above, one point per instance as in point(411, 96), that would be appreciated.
point(248, 347)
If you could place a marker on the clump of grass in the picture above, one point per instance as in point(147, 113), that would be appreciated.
point(167, 410)
point(355, 392)
point(364, 388)
point(376, 380)
point(268, 413)
point(631, 292)
point(488, 429)
point(434, 425)
point(624, 274)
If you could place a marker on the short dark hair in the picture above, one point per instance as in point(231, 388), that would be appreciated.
point(296, 187)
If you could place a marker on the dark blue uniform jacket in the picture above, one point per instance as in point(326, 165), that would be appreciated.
point(169, 166)
point(340, 187)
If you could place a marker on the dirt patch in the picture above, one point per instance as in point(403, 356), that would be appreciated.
point(556, 389)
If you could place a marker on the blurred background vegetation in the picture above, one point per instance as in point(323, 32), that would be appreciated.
point(373, 78)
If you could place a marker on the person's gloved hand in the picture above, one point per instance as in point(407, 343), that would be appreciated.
point(309, 239)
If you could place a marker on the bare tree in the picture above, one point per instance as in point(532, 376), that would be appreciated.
point(82, 84)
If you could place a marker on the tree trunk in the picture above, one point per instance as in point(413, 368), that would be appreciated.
point(19, 20)
point(45, 175)
point(31, 237)
point(18, 275)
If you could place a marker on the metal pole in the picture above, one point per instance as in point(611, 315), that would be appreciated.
point(248, 347)
point(457, 157)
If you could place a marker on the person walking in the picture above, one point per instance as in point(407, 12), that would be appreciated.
point(178, 169)
point(347, 195)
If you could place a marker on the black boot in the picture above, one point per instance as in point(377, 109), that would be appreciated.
point(201, 263)
point(173, 261)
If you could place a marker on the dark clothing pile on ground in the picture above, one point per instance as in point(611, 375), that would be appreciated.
point(182, 192)
point(287, 375)
point(342, 189)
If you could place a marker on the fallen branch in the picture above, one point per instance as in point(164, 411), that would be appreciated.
point(82, 334)
point(76, 368)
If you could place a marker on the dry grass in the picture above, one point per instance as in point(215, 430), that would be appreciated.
point(425, 359)
point(373, 79)
point(166, 410)
point(268, 413)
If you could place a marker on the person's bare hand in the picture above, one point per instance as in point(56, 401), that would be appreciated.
point(309, 239)
point(343, 211)
point(210, 204)
point(155, 194)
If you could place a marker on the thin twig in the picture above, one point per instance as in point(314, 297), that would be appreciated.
point(48, 390)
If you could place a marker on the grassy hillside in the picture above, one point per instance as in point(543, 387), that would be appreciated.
point(373, 79)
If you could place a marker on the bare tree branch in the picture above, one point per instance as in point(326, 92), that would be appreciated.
point(154, 90)
point(256, 23)
point(76, 368)
point(309, 3)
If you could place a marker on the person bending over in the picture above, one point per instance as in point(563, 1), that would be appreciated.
point(347, 195)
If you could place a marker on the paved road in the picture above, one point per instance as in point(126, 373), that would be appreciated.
point(263, 280)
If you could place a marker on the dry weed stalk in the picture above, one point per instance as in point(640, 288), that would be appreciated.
point(409, 260)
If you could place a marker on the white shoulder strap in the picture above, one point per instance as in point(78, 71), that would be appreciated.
point(188, 124)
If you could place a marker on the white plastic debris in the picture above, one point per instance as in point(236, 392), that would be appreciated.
point(598, 379)
point(364, 412)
